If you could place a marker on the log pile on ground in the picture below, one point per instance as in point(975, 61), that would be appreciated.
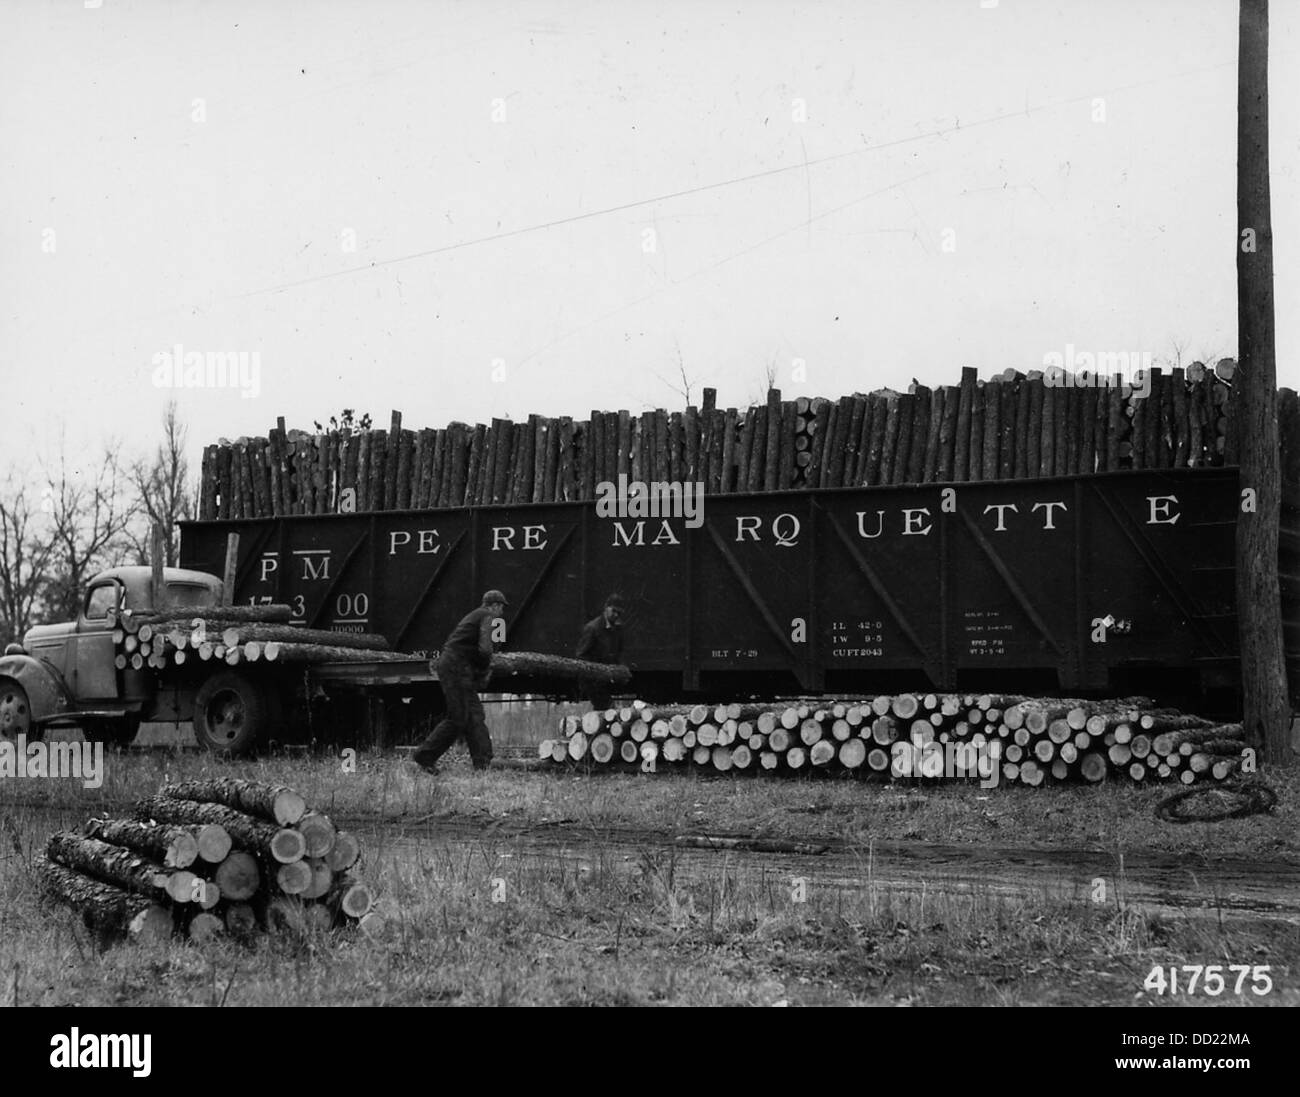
point(212, 857)
point(1011, 426)
point(234, 635)
point(922, 736)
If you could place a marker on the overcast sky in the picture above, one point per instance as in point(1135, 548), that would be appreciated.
point(384, 200)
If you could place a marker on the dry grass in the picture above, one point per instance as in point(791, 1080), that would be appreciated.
point(607, 930)
point(618, 924)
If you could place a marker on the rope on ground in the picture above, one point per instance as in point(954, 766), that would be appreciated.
point(1222, 801)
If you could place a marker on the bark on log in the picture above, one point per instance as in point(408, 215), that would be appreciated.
point(961, 446)
point(251, 835)
point(991, 449)
point(509, 664)
point(242, 634)
point(273, 803)
point(274, 650)
point(107, 909)
point(878, 421)
point(171, 847)
point(975, 460)
point(110, 864)
point(921, 403)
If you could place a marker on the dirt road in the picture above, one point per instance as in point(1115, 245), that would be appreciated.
point(1157, 883)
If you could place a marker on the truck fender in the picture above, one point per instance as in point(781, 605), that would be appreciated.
point(47, 695)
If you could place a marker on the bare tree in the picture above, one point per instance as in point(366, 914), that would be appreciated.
point(90, 516)
point(24, 556)
point(163, 496)
point(769, 382)
point(684, 388)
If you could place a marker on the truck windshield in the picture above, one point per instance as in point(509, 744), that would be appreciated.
point(189, 596)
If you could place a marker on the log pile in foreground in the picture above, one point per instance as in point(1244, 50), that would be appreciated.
point(234, 635)
point(1053, 422)
point(990, 738)
point(211, 857)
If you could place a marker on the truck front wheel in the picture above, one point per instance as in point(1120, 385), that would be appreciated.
point(15, 713)
point(230, 714)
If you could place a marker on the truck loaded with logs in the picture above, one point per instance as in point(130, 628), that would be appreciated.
point(1025, 534)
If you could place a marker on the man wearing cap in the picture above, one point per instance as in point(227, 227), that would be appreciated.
point(602, 642)
point(464, 667)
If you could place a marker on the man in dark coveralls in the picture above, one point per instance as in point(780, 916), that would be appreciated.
point(602, 642)
point(464, 667)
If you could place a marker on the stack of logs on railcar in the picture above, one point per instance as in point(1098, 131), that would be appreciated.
point(212, 857)
point(233, 635)
point(1010, 426)
point(921, 736)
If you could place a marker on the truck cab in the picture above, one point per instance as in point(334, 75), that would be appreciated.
point(66, 673)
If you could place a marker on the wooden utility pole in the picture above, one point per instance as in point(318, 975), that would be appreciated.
point(1267, 710)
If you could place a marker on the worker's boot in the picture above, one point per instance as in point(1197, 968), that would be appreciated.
point(434, 746)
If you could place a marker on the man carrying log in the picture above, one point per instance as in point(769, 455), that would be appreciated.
point(602, 642)
point(464, 667)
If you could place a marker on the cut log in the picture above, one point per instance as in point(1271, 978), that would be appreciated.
point(602, 748)
point(322, 878)
point(852, 753)
point(110, 864)
point(556, 666)
point(240, 920)
point(215, 843)
point(279, 651)
point(111, 911)
point(292, 634)
point(249, 834)
point(222, 615)
point(183, 886)
point(204, 926)
point(169, 846)
point(1093, 767)
point(822, 752)
point(884, 730)
point(345, 852)
point(238, 876)
point(274, 803)
point(294, 878)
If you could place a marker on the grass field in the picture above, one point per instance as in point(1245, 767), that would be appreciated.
point(485, 912)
